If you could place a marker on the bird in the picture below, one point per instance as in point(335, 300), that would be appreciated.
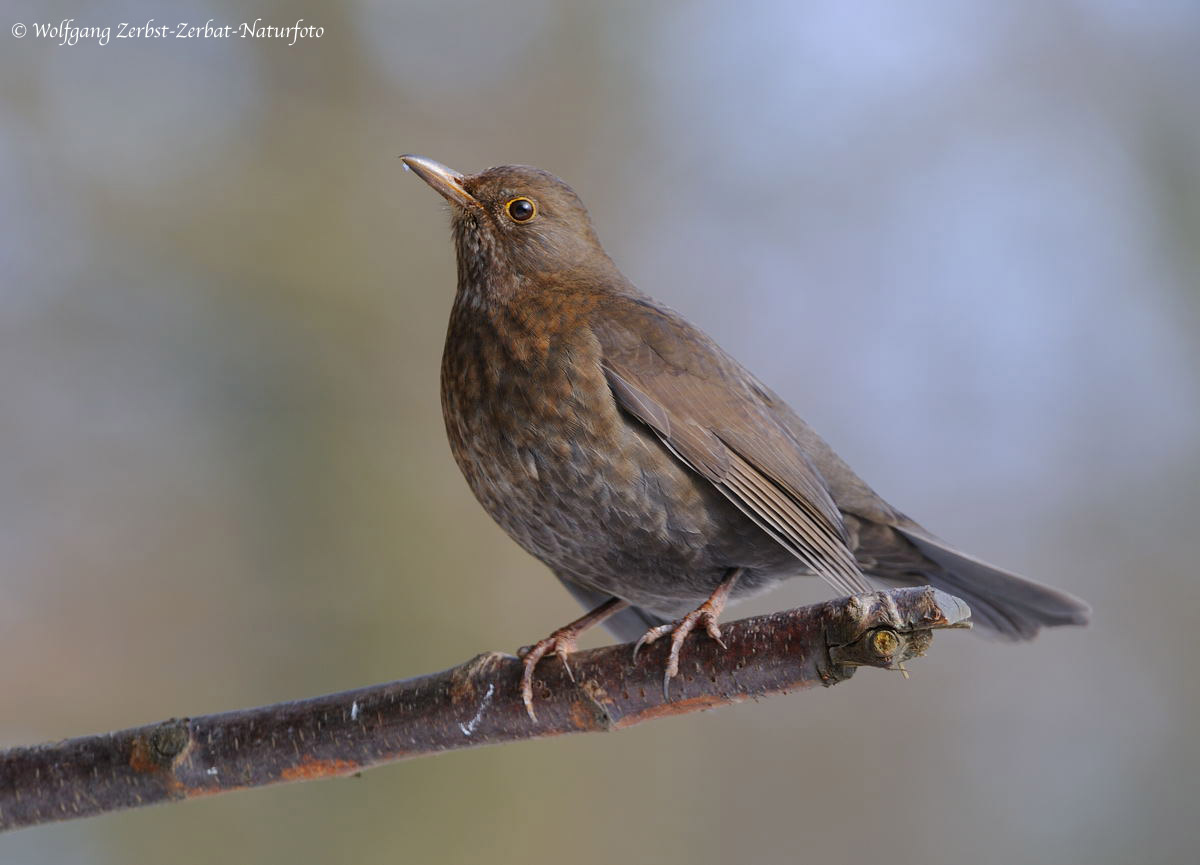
point(656, 477)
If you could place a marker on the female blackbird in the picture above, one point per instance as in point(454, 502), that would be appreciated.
point(625, 449)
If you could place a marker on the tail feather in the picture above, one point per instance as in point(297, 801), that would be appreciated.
point(1001, 602)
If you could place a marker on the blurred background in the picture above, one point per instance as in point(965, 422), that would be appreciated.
point(963, 239)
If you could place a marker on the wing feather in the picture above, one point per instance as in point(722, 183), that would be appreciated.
point(795, 529)
point(745, 454)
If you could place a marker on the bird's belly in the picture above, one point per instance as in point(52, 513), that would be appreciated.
point(614, 510)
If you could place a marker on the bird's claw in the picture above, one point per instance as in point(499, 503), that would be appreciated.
point(650, 636)
point(704, 614)
point(562, 643)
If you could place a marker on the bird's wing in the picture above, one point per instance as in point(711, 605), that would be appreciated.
point(709, 412)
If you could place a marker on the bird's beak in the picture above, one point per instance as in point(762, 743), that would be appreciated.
point(445, 180)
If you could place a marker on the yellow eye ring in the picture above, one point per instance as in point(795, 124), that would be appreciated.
point(521, 209)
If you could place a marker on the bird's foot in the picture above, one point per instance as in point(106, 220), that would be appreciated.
point(706, 614)
point(562, 643)
point(679, 630)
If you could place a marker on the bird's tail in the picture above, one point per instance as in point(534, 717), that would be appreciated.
point(1001, 603)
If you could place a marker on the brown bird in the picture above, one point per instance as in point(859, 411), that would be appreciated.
point(619, 444)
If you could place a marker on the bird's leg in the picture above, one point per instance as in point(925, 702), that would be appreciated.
point(562, 643)
point(706, 614)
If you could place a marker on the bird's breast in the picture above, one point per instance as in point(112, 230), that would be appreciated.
point(535, 429)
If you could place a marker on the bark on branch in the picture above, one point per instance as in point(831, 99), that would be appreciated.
point(475, 703)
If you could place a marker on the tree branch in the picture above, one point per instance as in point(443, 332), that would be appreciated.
point(476, 703)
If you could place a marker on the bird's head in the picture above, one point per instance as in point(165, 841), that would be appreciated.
point(513, 223)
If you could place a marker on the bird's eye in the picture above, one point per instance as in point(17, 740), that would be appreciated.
point(521, 210)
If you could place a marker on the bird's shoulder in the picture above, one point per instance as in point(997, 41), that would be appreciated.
point(649, 337)
point(682, 375)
